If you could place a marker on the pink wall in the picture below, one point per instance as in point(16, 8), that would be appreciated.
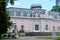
point(56, 23)
point(48, 22)
point(29, 24)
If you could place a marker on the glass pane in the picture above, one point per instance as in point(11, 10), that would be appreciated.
point(22, 27)
point(36, 27)
point(53, 28)
point(46, 27)
point(58, 27)
point(15, 26)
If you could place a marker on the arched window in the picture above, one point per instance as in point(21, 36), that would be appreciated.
point(36, 27)
point(18, 14)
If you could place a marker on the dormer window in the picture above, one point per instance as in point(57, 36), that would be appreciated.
point(36, 15)
point(25, 14)
point(59, 15)
point(30, 15)
point(43, 13)
point(14, 13)
point(18, 14)
point(21, 14)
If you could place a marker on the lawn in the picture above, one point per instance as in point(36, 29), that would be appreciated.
point(58, 38)
point(49, 37)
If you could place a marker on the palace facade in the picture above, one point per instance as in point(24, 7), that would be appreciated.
point(34, 19)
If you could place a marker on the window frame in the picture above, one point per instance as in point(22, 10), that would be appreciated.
point(59, 28)
point(46, 27)
point(36, 27)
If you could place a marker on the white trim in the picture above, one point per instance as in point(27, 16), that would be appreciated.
point(47, 31)
point(34, 27)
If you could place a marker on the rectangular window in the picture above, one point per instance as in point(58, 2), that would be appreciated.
point(30, 15)
point(46, 27)
point(15, 26)
point(59, 16)
point(55, 17)
point(22, 27)
point(36, 27)
point(53, 28)
point(58, 27)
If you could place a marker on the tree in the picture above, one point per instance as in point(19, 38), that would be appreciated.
point(4, 18)
point(56, 8)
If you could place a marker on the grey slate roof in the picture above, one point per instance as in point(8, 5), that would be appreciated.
point(18, 11)
point(31, 12)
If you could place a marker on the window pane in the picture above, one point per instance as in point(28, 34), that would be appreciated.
point(15, 26)
point(53, 28)
point(22, 27)
point(58, 27)
point(36, 27)
point(30, 15)
point(18, 14)
point(25, 14)
point(46, 27)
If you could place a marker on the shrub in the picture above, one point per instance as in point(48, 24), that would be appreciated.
point(21, 31)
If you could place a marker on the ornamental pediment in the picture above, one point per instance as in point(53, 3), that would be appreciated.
point(47, 15)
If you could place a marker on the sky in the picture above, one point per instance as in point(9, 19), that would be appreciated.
point(46, 4)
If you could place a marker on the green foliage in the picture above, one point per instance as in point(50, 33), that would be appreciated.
point(12, 2)
point(49, 37)
point(56, 8)
point(4, 18)
point(21, 31)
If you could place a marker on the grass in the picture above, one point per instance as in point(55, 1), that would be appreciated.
point(49, 37)
point(58, 38)
point(45, 37)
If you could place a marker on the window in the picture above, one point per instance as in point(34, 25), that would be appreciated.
point(36, 27)
point(22, 27)
point(46, 28)
point(30, 15)
point(15, 26)
point(53, 28)
point(55, 16)
point(58, 27)
point(25, 14)
point(59, 16)
point(18, 14)
point(36, 15)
